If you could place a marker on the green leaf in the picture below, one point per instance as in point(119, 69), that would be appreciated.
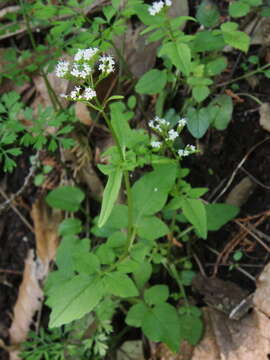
point(119, 284)
point(162, 324)
point(136, 314)
point(86, 263)
point(70, 227)
point(208, 41)
point(254, 2)
point(238, 9)
point(220, 111)
point(219, 214)
point(237, 39)
point(142, 274)
point(67, 198)
point(179, 54)
point(117, 239)
point(105, 254)
point(110, 195)
point(156, 294)
point(72, 300)
point(194, 211)
point(152, 82)
point(208, 14)
point(151, 227)
point(200, 92)
point(154, 187)
point(198, 121)
point(216, 66)
point(191, 328)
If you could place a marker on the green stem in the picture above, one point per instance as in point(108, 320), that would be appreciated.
point(125, 173)
point(175, 275)
point(51, 92)
point(254, 98)
point(262, 68)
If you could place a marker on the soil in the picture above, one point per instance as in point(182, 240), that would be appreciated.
point(221, 153)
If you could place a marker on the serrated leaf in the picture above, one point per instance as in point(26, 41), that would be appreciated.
point(219, 214)
point(162, 324)
point(67, 198)
point(237, 39)
point(194, 211)
point(152, 82)
point(110, 195)
point(179, 54)
point(72, 300)
point(119, 284)
point(156, 294)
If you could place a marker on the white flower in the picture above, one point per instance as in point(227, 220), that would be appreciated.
point(172, 135)
point(89, 93)
point(156, 144)
point(106, 64)
point(156, 7)
point(81, 70)
point(85, 54)
point(62, 68)
point(191, 148)
point(168, 2)
point(182, 122)
point(75, 93)
point(183, 152)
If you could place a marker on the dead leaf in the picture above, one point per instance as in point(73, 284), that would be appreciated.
point(83, 114)
point(241, 192)
point(46, 221)
point(131, 350)
point(29, 301)
point(265, 116)
point(262, 293)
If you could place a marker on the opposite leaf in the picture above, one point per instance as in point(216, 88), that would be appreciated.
point(194, 211)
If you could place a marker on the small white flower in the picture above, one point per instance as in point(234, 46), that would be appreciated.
point(85, 54)
point(151, 124)
point(106, 64)
point(62, 68)
point(81, 70)
point(168, 2)
point(182, 122)
point(155, 189)
point(191, 148)
point(156, 7)
point(183, 152)
point(89, 93)
point(172, 134)
point(156, 144)
point(75, 93)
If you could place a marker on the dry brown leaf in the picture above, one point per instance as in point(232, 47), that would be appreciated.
point(83, 114)
point(29, 301)
point(46, 221)
point(241, 192)
point(245, 339)
point(265, 116)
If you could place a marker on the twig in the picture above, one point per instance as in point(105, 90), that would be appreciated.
point(15, 272)
point(253, 235)
point(254, 179)
point(239, 166)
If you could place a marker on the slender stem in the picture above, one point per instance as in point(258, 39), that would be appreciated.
point(244, 76)
point(254, 98)
point(53, 96)
point(125, 173)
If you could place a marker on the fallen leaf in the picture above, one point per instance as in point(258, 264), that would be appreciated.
point(83, 114)
point(241, 192)
point(29, 301)
point(265, 116)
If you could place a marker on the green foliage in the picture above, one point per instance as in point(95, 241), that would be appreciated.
point(66, 198)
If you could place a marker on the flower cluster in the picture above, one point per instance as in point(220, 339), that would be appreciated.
point(157, 6)
point(75, 94)
point(189, 149)
point(162, 128)
point(81, 69)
